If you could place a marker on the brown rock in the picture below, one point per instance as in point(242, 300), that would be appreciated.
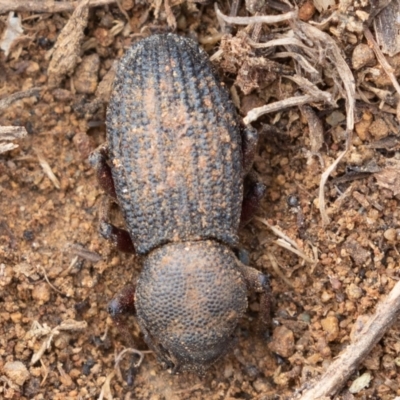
point(379, 129)
point(104, 37)
point(363, 56)
point(17, 372)
point(86, 75)
point(362, 126)
point(41, 293)
point(306, 11)
point(354, 292)
point(356, 251)
point(331, 326)
point(390, 234)
point(282, 342)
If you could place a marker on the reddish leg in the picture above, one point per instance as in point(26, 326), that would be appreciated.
point(98, 160)
point(124, 303)
point(118, 237)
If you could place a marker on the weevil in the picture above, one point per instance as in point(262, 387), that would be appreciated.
point(175, 161)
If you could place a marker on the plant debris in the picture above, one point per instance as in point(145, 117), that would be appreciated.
point(9, 134)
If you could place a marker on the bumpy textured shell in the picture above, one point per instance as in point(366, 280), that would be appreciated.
point(189, 299)
point(175, 146)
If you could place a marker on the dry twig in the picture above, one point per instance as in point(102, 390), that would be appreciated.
point(256, 113)
point(9, 133)
point(275, 267)
point(381, 58)
point(333, 53)
point(7, 101)
point(285, 241)
point(39, 330)
point(106, 388)
point(341, 369)
point(79, 250)
point(65, 54)
point(256, 19)
point(47, 6)
point(46, 168)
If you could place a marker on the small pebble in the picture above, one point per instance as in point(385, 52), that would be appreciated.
point(363, 56)
point(104, 37)
point(86, 75)
point(282, 342)
point(306, 11)
point(17, 372)
point(390, 235)
point(363, 125)
point(32, 68)
point(335, 118)
point(379, 129)
point(261, 385)
point(330, 325)
point(83, 144)
point(354, 292)
point(41, 293)
point(360, 383)
point(228, 371)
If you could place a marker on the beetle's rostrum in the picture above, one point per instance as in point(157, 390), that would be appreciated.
point(177, 157)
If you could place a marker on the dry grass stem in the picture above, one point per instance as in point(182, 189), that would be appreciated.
point(276, 231)
point(257, 19)
point(334, 54)
point(9, 133)
point(256, 113)
point(47, 169)
point(46, 6)
point(299, 58)
point(122, 354)
point(39, 330)
point(79, 250)
point(321, 194)
point(315, 127)
point(12, 132)
point(278, 271)
point(312, 89)
point(50, 284)
point(381, 58)
point(297, 250)
point(106, 389)
point(285, 240)
point(287, 41)
point(7, 101)
point(347, 362)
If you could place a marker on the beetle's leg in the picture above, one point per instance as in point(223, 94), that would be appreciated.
point(259, 283)
point(251, 201)
point(124, 303)
point(249, 147)
point(98, 160)
point(118, 237)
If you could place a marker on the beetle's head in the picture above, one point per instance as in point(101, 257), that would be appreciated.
point(189, 299)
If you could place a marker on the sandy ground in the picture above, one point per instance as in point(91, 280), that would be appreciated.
point(57, 275)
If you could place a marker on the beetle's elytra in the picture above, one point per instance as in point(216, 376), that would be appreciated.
point(175, 152)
